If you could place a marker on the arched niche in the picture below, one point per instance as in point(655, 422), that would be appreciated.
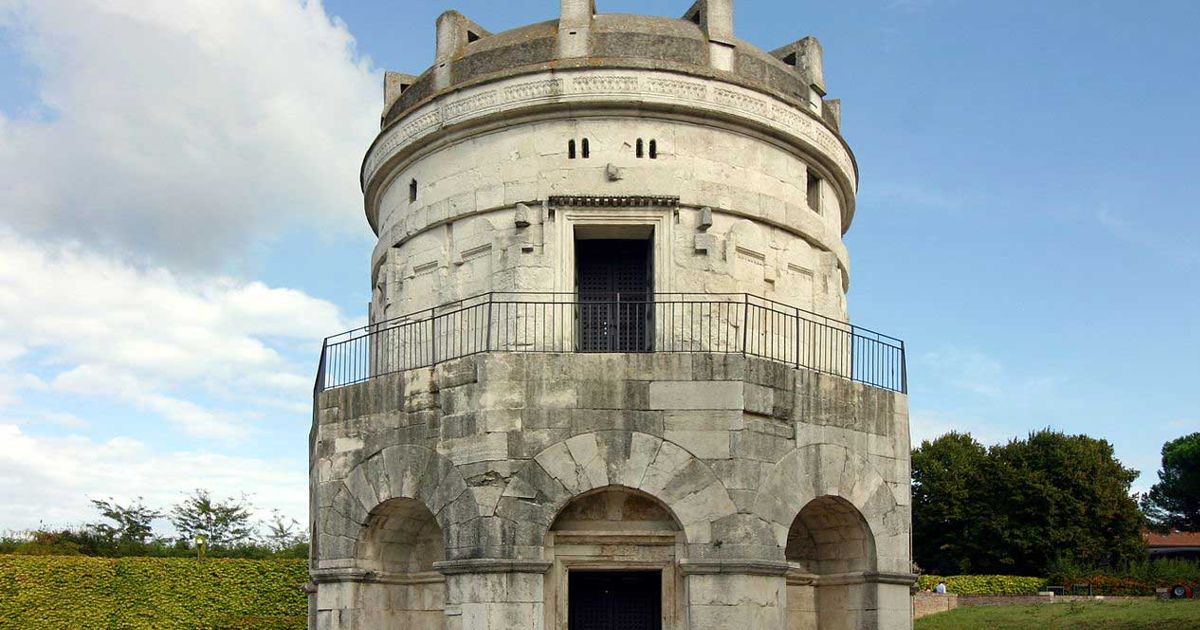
point(401, 536)
point(398, 546)
point(615, 508)
point(830, 550)
point(830, 536)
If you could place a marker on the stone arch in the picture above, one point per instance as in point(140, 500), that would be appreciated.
point(825, 470)
point(818, 470)
point(830, 536)
point(407, 472)
point(831, 554)
point(639, 461)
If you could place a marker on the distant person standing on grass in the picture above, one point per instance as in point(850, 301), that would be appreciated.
point(940, 588)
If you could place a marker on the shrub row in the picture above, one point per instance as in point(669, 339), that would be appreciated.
point(1135, 578)
point(53, 592)
point(985, 584)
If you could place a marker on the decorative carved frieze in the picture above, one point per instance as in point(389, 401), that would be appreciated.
point(596, 201)
point(586, 87)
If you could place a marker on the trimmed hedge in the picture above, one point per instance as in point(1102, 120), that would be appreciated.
point(985, 584)
point(56, 592)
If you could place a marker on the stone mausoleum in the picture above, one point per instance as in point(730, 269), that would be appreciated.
point(608, 380)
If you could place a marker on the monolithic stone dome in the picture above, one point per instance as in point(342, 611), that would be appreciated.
point(618, 41)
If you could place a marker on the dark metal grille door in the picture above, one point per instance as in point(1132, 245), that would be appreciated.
point(615, 600)
point(616, 299)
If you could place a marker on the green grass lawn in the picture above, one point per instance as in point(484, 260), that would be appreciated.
point(1158, 615)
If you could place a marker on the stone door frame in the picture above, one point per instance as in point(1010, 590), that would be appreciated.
point(656, 551)
point(569, 218)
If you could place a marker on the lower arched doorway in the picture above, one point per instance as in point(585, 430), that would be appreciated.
point(830, 551)
point(613, 553)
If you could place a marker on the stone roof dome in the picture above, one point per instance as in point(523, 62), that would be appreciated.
point(469, 54)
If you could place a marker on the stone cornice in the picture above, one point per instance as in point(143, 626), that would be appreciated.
point(324, 576)
point(491, 565)
point(797, 576)
point(742, 566)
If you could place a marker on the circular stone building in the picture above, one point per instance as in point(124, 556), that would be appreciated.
point(608, 380)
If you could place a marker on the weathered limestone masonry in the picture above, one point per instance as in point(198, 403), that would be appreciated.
point(495, 488)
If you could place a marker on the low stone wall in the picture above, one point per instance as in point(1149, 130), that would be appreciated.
point(929, 603)
point(925, 603)
point(1008, 600)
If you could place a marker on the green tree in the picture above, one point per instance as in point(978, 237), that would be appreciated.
point(131, 524)
point(220, 524)
point(282, 532)
point(50, 543)
point(1174, 502)
point(946, 474)
point(1017, 507)
point(1070, 497)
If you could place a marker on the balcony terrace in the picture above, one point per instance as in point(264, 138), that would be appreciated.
point(731, 323)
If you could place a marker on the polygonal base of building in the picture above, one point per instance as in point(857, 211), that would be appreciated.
point(464, 496)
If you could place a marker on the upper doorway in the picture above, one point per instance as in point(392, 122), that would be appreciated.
point(615, 289)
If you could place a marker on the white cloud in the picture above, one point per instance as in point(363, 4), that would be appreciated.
point(930, 424)
point(12, 383)
point(1179, 247)
point(1185, 424)
point(966, 369)
point(50, 479)
point(185, 130)
point(924, 424)
point(141, 334)
point(910, 197)
point(187, 133)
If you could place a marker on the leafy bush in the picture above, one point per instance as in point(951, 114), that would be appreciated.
point(985, 584)
point(1134, 578)
point(88, 542)
point(51, 592)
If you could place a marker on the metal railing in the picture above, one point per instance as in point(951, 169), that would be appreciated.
point(662, 322)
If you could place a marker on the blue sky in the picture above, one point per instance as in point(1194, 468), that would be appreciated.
point(180, 221)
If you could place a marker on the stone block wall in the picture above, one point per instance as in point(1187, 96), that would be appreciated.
point(459, 191)
point(494, 446)
point(482, 225)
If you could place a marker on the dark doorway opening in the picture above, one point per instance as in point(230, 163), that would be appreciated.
point(615, 600)
point(613, 278)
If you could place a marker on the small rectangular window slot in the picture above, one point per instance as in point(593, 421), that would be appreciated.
point(813, 191)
